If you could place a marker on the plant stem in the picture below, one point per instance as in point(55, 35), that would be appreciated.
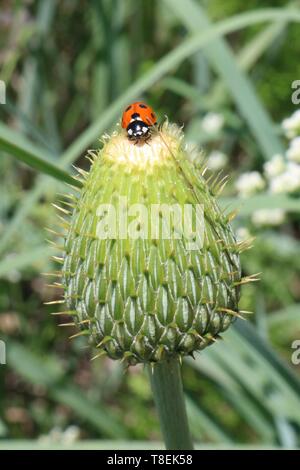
point(167, 389)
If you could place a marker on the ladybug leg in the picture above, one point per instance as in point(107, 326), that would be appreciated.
point(147, 138)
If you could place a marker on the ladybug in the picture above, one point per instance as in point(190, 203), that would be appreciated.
point(137, 119)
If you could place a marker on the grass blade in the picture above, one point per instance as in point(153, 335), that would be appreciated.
point(11, 143)
point(233, 394)
point(203, 425)
point(262, 201)
point(285, 374)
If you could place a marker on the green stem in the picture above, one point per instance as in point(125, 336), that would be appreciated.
point(167, 389)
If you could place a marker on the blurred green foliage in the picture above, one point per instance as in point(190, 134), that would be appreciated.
point(280, 64)
point(70, 67)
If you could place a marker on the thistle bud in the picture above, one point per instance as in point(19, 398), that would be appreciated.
point(151, 268)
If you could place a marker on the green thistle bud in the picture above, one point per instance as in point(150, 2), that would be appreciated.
point(151, 268)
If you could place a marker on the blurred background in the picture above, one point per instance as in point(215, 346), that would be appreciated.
point(69, 69)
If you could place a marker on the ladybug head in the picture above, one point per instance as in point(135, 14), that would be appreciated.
point(137, 130)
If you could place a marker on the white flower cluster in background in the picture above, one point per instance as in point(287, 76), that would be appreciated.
point(291, 125)
point(274, 167)
point(58, 435)
point(212, 123)
point(250, 183)
point(216, 160)
point(293, 152)
point(264, 217)
point(288, 181)
point(281, 174)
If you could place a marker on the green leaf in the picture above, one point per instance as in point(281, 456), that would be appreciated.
point(252, 375)
point(203, 426)
point(246, 206)
point(233, 394)
point(261, 42)
point(34, 157)
point(277, 367)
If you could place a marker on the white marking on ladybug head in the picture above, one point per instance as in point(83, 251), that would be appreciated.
point(136, 119)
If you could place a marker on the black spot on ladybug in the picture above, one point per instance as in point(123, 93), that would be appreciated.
point(128, 108)
point(142, 106)
point(135, 115)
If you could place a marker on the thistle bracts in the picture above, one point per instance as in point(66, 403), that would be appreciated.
point(138, 295)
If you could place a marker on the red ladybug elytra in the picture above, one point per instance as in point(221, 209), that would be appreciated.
point(137, 119)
